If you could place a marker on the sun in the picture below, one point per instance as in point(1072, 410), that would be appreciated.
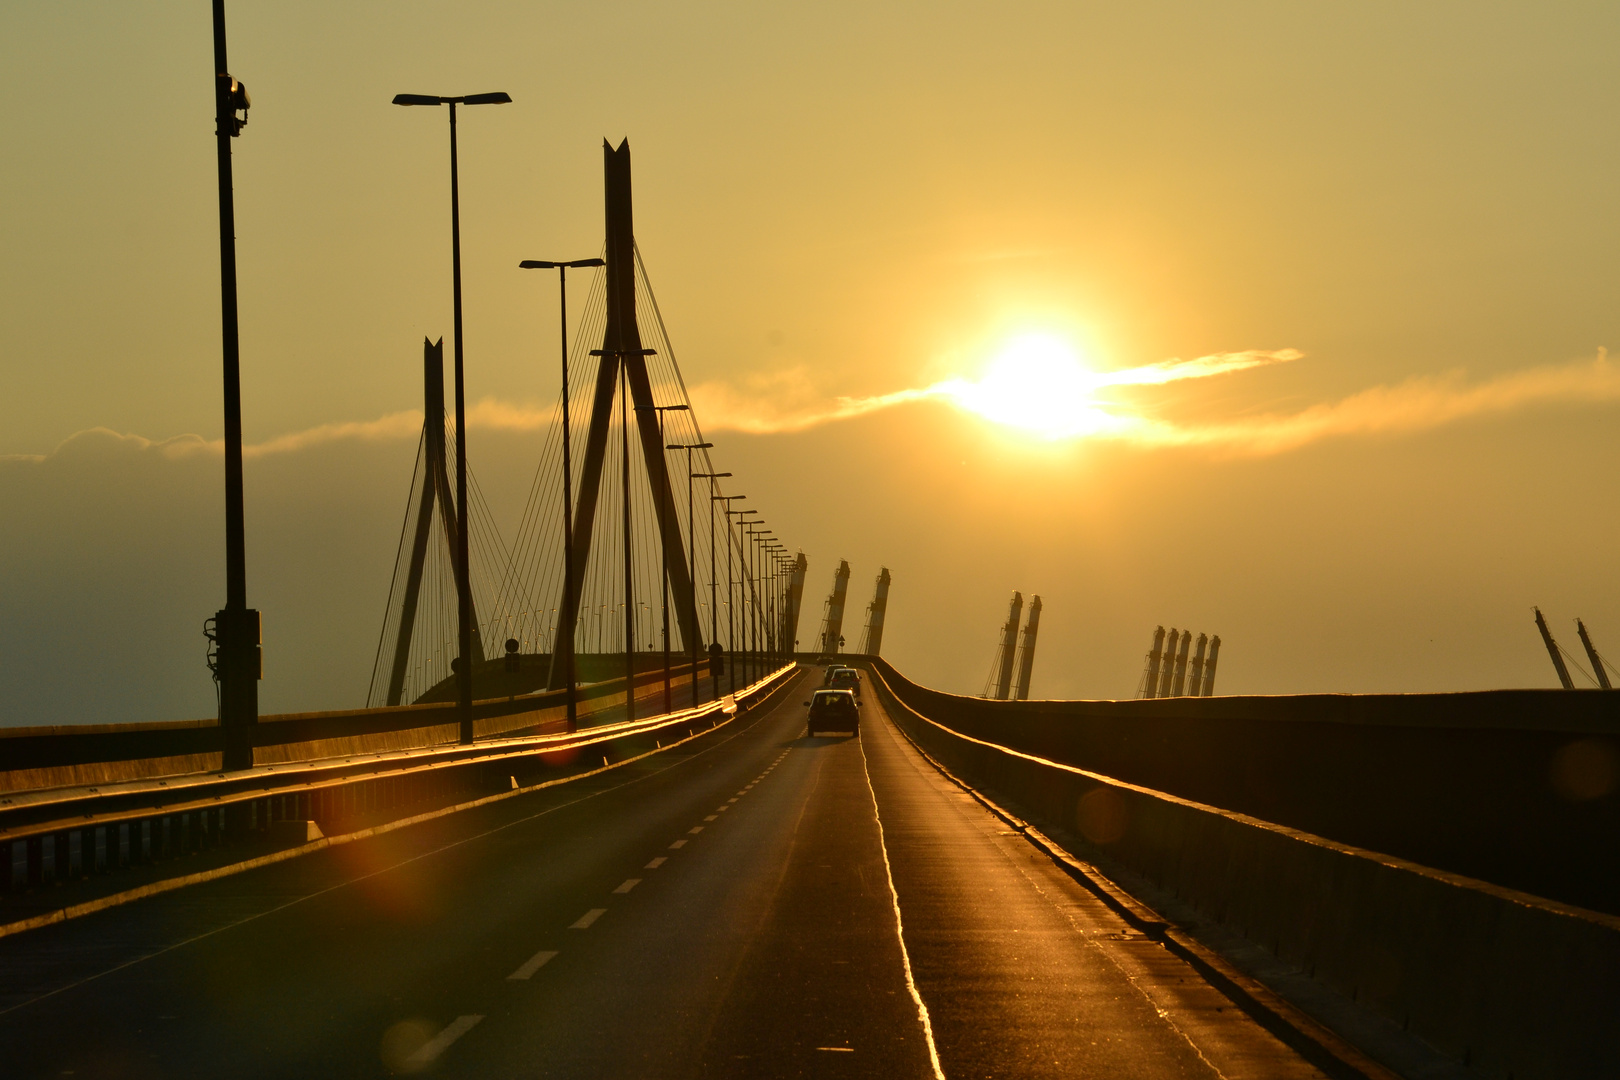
point(1037, 383)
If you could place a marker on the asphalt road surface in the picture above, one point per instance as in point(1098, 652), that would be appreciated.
point(754, 903)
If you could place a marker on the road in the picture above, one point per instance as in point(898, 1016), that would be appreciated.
point(753, 903)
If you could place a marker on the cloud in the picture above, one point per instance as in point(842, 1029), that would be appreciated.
point(1417, 404)
point(787, 402)
point(784, 402)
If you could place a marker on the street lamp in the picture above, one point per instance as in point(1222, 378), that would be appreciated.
point(663, 541)
point(234, 634)
point(756, 618)
point(463, 576)
point(691, 561)
point(691, 527)
point(742, 581)
point(562, 269)
point(731, 610)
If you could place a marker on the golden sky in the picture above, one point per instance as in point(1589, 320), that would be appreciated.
point(1283, 321)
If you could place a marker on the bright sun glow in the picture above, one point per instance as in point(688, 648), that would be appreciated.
point(1037, 383)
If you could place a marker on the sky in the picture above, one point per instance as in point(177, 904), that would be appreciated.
point(1277, 321)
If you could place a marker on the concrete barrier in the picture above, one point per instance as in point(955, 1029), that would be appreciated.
point(1517, 787)
point(1510, 984)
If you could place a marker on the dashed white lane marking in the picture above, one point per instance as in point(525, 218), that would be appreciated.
point(585, 920)
point(733, 799)
point(534, 964)
point(838, 1049)
point(712, 817)
point(430, 1050)
point(721, 809)
point(629, 883)
point(695, 829)
point(678, 844)
point(656, 863)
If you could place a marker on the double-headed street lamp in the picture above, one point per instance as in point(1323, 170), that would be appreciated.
point(691, 527)
point(663, 539)
point(562, 269)
point(691, 561)
point(731, 580)
point(463, 576)
point(756, 538)
point(743, 582)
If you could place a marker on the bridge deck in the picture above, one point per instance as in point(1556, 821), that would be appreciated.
point(723, 909)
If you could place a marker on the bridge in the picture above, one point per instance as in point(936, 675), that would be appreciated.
point(605, 846)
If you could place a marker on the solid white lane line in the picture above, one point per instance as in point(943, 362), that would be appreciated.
point(838, 1049)
point(900, 928)
point(656, 863)
point(430, 1050)
point(534, 964)
point(585, 920)
point(629, 883)
point(678, 844)
point(694, 830)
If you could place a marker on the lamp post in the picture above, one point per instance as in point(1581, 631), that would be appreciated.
point(756, 621)
point(731, 613)
point(691, 573)
point(743, 581)
point(663, 539)
point(629, 568)
point(691, 527)
point(778, 631)
point(234, 634)
point(464, 680)
point(562, 269)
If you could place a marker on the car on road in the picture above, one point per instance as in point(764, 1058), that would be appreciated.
point(845, 678)
point(833, 710)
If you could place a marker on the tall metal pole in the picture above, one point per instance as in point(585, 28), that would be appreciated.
point(731, 604)
point(464, 680)
point(663, 550)
point(236, 628)
point(629, 579)
point(691, 568)
point(714, 599)
point(568, 515)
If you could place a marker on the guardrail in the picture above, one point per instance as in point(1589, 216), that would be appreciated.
point(94, 754)
point(57, 834)
point(1508, 983)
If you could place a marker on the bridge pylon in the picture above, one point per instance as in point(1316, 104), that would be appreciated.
point(435, 491)
point(622, 361)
